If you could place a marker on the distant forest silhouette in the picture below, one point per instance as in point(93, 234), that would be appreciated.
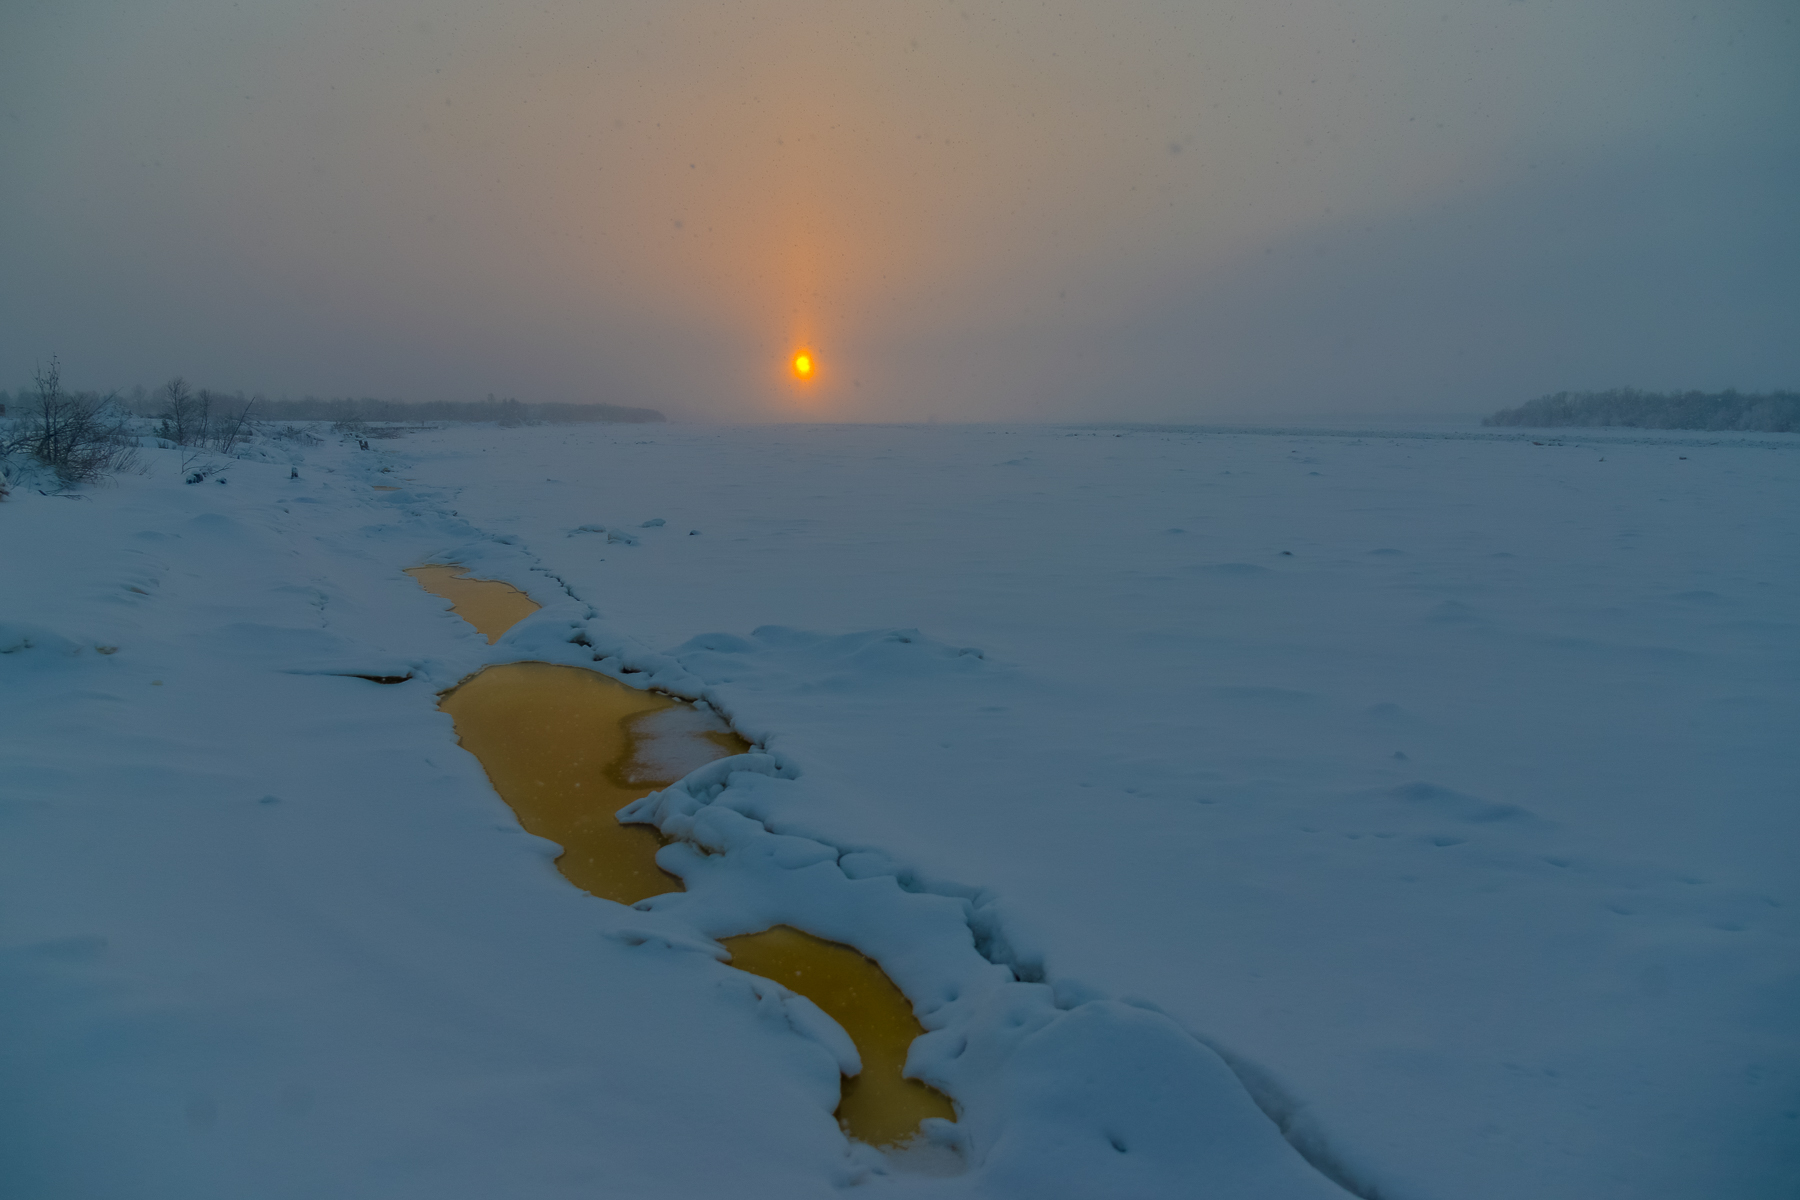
point(505, 412)
point(142, 403)
point(1768, 412)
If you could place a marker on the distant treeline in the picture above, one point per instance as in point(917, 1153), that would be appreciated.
point(506, 412)
point(142, 403)
point(1770, 412)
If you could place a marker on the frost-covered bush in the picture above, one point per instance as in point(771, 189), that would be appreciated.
point(79, 437)
point(1771, 412)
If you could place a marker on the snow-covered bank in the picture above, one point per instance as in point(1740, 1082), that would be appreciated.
point(1443, 786)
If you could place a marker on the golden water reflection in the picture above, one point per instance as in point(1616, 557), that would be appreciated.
point(490, 606)
point(568, 747)
point(879, 1106)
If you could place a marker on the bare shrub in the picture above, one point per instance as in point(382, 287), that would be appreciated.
point(293, 433)
point(80, 437)
point(231, 432)
point(188, 419)
point(356, 427)
point(183, 417)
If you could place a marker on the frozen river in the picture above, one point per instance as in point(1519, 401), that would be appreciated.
point(1432, 795)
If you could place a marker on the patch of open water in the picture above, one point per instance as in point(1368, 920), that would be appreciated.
point(490, 606)
point(567, 748)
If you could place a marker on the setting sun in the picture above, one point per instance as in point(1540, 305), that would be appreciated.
point(803, 364)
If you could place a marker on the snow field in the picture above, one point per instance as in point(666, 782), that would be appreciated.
point(1402, 824)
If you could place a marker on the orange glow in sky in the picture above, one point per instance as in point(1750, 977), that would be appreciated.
point(803, 364)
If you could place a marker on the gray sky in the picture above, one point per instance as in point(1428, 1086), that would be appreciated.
point(966, 210)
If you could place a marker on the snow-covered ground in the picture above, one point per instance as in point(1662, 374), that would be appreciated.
point(1435, 789)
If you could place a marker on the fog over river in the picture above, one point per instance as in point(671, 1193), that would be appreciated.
point(1154, 210)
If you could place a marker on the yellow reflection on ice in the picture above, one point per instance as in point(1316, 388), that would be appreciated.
point(567, 748)
point(490, 606)
point(879, 1106)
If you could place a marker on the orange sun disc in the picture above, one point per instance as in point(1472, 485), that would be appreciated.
point(803, 364)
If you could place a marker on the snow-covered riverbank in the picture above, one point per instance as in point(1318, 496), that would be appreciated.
point(1442, 785)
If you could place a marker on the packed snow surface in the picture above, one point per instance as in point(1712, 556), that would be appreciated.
point(1254, 813)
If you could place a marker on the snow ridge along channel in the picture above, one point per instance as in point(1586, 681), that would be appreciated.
point(565, 747)
point(1059, 1094)
point(1057, 1099)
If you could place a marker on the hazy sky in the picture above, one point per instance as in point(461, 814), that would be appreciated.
point(966, 210)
